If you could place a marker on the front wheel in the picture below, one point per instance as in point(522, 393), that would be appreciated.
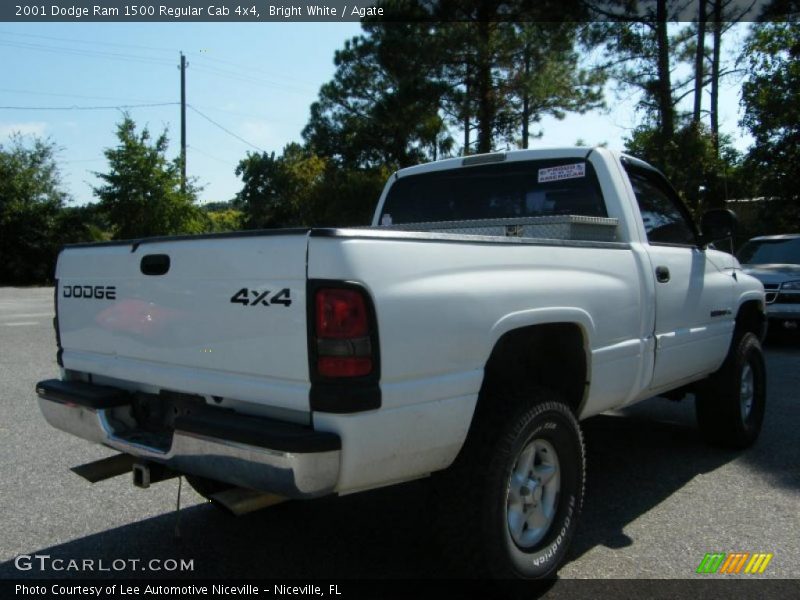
point(730, 404)
point(512, 499)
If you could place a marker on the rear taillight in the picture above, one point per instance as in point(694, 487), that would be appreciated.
point(342, 333)
point(341, 314)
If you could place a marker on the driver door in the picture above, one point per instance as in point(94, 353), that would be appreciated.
point(693, 296)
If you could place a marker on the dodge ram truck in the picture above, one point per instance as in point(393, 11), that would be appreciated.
point(494, 302)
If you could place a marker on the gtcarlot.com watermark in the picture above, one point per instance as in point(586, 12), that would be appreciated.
point(46, 563)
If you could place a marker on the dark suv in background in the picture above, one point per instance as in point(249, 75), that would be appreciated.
point(775, 261)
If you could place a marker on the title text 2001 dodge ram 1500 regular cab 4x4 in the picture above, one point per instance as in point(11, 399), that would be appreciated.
point(495, 301)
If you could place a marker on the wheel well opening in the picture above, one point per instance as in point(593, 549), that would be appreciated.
point(751, 318)
point(551, 356)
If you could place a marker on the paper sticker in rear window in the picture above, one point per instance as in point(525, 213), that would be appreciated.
point(562, 172)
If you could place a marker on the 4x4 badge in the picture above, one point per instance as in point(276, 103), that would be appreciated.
point(248, 297)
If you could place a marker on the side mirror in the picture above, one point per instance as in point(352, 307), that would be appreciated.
point(718, 224)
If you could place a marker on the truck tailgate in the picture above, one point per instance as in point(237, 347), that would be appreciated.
point(227, 318)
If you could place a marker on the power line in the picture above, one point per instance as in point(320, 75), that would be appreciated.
point(237, 113)
point(294, 89)
point(84, 97)
point(99, 43)
point(85, 53)
point(249, 68)
point(195, 55)
point(252, 80)
point(75, 107)
point(250, 115)
point(211, 156)
point(226, 130)
point(239, 76)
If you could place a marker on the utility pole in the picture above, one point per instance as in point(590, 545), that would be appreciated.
point(183, 123)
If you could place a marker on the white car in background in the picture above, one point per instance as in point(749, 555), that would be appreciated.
point(775, 261)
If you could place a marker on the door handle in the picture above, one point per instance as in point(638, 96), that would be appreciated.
point(662, 274)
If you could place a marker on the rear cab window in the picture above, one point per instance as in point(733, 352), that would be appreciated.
point(533, 188)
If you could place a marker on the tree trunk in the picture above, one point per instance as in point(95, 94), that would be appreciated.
point(484, 82)
point(526, 101)
point(699, 62)
point(466, 112)
point(717, 29)
point(664, 85)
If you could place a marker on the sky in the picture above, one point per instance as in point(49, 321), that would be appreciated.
point(249, 88)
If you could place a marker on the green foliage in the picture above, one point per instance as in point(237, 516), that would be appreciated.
point(771, 99)
point(30, 200)
point(638, 59)
point(260, 198)
point(216, 206)
point(400, 87)
point(300, 189)
point(689, 160)
point(761, 216)
point(141, 195)
point(222, 216)
point(224, 220)
point(506, 65)
point(76, 224)
point(382, 106)
point(279, 191)
point(545, 77)
point(347, 197)
point(304, 175)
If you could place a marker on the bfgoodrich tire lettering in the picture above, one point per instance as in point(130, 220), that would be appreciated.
point(475, 496)
point(554, 424)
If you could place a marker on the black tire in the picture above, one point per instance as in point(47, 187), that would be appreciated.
point(475, 497)
point(207, 487)
point(723, 413)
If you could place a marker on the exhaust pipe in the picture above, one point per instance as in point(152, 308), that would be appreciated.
point(240, 501)
point(237, 501)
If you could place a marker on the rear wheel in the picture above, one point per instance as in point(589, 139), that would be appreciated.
point(730, 405)
point(510, 503)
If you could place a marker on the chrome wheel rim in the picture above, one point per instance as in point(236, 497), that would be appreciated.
point(746, 392)
point(533, 490)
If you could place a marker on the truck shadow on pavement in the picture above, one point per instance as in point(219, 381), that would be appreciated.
point(635, 462)
point(637, 458)
point(640, 456)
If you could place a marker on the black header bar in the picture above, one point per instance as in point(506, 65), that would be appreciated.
point(121, 11)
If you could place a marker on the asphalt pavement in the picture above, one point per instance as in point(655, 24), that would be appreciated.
point(658, 499)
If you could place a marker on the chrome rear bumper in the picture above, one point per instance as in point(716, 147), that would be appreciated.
point(250, 452)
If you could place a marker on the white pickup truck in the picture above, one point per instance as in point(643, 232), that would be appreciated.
point(495, 302)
